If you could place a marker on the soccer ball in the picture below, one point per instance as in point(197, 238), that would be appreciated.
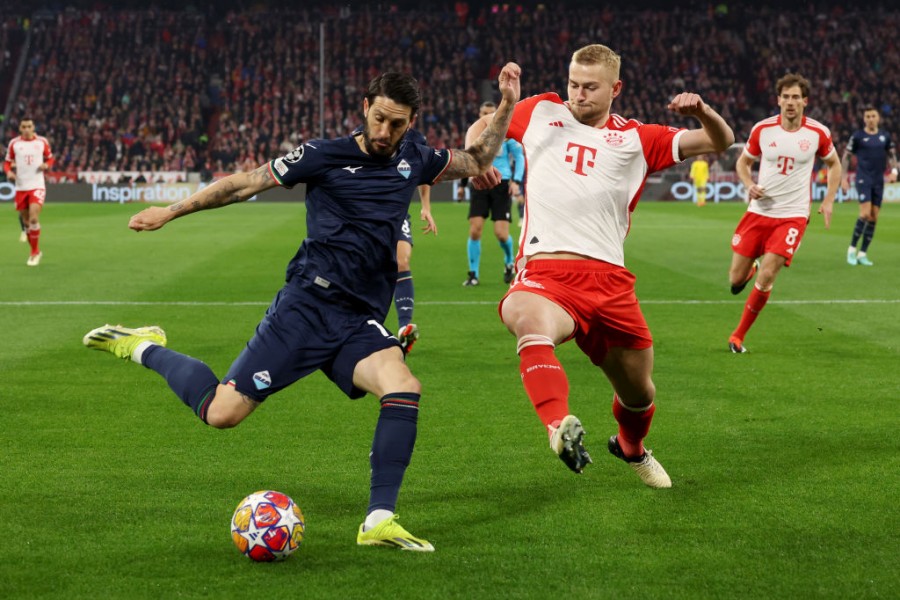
point(267, 526)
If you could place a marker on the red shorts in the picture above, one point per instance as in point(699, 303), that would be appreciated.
point(24, 198)
point(757, 235)
point(599, 297)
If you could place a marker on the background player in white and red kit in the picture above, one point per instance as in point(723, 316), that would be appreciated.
point(586, 169)
point(27, 157)
point(786, 146)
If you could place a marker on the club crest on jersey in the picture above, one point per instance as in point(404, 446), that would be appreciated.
point(614, 139)
point(404, 169)
point(262, 380)
point(294, 155)
point(805, 145)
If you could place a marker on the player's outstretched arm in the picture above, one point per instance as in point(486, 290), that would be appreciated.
point(479, 155)
point(234, 188)
point(715, 135)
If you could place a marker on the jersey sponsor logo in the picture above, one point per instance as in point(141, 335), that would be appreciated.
point(352, 169)
point(280, 166)
point(785, 164)
point(262, 380)
point(805, 145)
point(580, 158)
point(404, 169)
point(294, 155)
point(614, 139)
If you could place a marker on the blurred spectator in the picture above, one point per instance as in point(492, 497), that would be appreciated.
point(146, 89)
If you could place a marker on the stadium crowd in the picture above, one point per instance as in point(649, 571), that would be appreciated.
point(190, 90)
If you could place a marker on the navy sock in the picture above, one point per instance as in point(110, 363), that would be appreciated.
point(392, 447)
point(404, 298)
point(868, 232)
point(858, 231)
point(189, 378)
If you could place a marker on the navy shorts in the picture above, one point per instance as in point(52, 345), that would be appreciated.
point(869, 189)
point(405, 231)
point(302, 332)
point(495, 201)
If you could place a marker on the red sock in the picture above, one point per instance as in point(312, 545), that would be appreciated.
point(755, 303)
point(33, 235)
point(634, 425)
point(545, 382)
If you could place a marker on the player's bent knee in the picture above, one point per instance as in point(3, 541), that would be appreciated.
point(409, 384)
point(639, 399)
point(228, 408)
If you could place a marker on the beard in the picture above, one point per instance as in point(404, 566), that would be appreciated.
point(379, 151)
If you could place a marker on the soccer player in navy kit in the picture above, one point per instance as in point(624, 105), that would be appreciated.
point(404, 292)
point(329, 316)
point(872, 147)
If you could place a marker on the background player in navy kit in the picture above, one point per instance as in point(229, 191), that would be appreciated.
point(872, 147)
point(329, 315)
point(404, 293)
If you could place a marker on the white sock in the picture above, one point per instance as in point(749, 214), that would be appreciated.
point(375, 517)
point(139, 351)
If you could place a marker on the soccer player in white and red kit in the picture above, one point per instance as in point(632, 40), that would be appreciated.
point(787, 146)
point(586, 169)
point(27, 157)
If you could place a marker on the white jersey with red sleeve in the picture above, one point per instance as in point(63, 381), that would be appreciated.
point(28, 156)
point(583, 181)
point(786, 164)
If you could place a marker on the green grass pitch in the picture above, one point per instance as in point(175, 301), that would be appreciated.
point(785, 460)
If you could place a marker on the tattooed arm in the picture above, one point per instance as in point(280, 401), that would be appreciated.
point(479, 154)
point(234, 188)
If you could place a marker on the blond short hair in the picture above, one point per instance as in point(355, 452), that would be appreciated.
point(598, 54)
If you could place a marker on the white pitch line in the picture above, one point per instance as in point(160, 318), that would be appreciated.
point(420, 303)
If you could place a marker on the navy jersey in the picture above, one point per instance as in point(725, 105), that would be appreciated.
point(871, 150)
point(355, 204)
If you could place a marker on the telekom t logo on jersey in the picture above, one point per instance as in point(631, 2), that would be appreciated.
point(785, 164)
point(583, 156)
